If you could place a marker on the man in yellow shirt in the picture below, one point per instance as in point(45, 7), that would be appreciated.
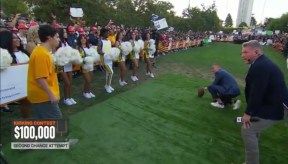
point(43, 88)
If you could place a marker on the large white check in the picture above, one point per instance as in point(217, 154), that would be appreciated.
point(13, 84)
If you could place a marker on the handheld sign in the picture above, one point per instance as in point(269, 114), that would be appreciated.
point(160, 24)
point(76, 12)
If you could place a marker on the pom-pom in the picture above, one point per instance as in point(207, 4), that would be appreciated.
point(114, 53)
point(5, 59)
point(141, 44)
point(126, 48)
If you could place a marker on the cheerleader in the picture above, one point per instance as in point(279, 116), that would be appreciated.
point(135, 55)
point(122, 59)
point(103, 48)
point(88, 66)
point(148, 54)
point(66, 74)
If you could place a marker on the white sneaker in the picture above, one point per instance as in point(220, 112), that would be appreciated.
point(152, 75)
point(136, 78)
point(91, 94)
point(148, 73)
point(87, 95)
point(237, 105)
point(217, 105)
point(122, 83)
point(107, 88)
point(68, 102)
point(112, 89)
point(73, 101)
point(133, 78)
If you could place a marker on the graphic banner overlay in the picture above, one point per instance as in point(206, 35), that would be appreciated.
point(39, 134)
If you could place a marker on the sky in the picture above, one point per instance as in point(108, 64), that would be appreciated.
point(261, 8)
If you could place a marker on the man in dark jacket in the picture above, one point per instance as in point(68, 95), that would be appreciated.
point(72, 37)
point(224, 88)
point(92, 37)
point(265, 93)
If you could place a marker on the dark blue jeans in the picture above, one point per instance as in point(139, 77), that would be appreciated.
point(218, 91)
point(46, 110)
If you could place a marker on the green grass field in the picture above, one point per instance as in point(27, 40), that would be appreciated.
point(161, 120)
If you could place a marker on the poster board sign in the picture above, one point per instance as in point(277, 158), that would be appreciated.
point(160, 24)
point(277, 32)
point(76, 12)
point(13, 83)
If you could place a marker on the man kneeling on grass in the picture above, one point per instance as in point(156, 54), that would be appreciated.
point(224, 88)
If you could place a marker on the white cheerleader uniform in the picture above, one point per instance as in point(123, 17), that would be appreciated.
point(21, 57)
point(108, 61)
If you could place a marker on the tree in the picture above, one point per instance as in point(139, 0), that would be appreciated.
point(126, 12)
point(212, 19)
point(279, 23)
point(60, 8)
point(14, 6)
point(267, 21)
point(205, 19)
point(228, 21)
point(253, 21)
point(243, 24)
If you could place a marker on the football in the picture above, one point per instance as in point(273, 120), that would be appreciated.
point(201, 92)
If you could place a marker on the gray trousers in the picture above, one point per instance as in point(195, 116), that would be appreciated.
point(251, 136)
